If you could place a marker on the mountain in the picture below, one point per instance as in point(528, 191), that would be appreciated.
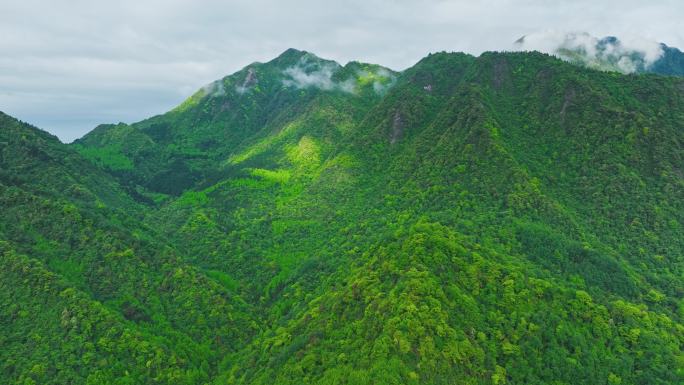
point(89, 293)
point(187, 146)
point(608, 53)
point(507, 218)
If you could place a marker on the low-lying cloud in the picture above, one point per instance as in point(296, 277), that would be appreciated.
point(214, 89)
point(384, 80)
point(626, 55)
point(311, 73)
point(250, 81)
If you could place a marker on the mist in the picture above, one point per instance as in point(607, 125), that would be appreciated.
point(624, 54)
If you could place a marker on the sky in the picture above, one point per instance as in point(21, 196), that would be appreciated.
point(67, 66)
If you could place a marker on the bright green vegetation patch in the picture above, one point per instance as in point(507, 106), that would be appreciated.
point(276, 176)
point(109, 157)
point(224, 279)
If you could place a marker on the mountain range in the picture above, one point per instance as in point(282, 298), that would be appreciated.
point(508, 218)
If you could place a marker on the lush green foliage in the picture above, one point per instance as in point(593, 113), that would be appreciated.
point(509, 218)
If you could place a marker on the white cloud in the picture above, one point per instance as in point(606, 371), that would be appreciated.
point(385, 80)
point(248, 83)
point(310, 73)
point(214, 89)
point(626, 54)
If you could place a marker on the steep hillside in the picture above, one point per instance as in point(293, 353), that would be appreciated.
point(93, 258)
point(507, 218)
point(35, 160)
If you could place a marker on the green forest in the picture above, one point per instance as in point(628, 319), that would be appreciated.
point(508, 218)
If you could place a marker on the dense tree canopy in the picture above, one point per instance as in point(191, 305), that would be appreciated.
point(508, 218)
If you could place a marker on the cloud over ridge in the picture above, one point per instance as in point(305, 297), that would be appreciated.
point(626, 55)
point(311, 72)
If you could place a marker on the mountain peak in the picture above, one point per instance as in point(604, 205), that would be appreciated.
point(292, 52)
point(291, 56)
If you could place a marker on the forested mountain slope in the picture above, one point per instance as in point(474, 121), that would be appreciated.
point(98, 284)
point(508, 218)
point(187, 146)
point(498, 183)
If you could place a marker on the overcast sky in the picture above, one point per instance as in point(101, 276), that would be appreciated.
point(66, 66)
